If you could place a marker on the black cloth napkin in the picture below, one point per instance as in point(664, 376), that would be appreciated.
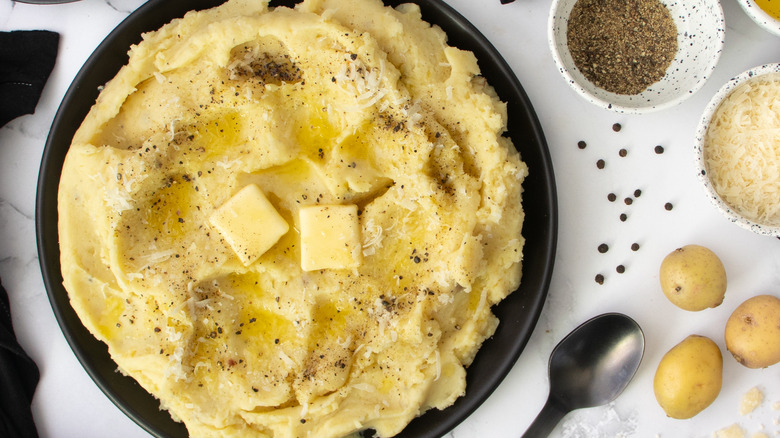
point(18, 378)
point(26, 60)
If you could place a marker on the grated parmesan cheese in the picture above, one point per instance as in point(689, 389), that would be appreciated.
point(160, 77)
point(742, 150)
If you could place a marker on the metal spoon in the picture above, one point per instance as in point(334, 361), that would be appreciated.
point(590, 367)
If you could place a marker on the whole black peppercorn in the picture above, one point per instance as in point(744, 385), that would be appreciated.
point(599, 279)
point(634, 246)
point(600, 164)
point(620, 269)
point(623, 217)
point(616, 127)
point(668, 206)
point(637, 193)
point(581, 144)
point(659, 149)
point(603, 248)
point(622, 152)
point(628, 201)
point(611, 197)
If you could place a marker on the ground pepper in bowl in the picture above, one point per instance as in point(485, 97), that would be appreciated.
point(622, 46)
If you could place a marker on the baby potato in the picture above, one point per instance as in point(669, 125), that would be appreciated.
point(689, 377)
point(693, 278)
point(753, 332)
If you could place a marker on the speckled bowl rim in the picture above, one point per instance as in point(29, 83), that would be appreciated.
point(642, 107)
point(701, 167)
point(761, 17)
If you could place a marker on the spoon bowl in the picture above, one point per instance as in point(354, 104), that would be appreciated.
point(590, 367)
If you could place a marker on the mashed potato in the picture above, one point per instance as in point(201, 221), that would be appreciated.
point(293, 222)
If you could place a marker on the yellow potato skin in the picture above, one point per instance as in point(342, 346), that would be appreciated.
point(753, 332)
point(693, 278)
point(689, 377)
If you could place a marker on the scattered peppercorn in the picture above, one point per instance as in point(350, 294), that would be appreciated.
point(659, 149)
point(628, 201)
point(599, 279)
point(634, 246)
point(616, 127)
point(611, 197)
point(620, 269)
point(622, 152)
point(581, 144)
point(623, 217)
point(600, 164)
point(637, 193)
point(668, 206)
point(603, 248)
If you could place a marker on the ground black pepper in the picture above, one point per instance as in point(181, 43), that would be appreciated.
point(622, 46)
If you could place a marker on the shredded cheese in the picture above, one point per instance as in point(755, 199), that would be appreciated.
point(742, 150)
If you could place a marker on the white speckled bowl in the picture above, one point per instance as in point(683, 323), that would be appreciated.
point(760, 17)
point(701, 166)
point(700, 36)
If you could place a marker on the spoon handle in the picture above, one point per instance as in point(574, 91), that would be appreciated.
point(549, 417)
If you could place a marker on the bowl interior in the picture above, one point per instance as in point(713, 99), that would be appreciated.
point(700, 37)
point(699, 153)
point(517, 314)
point(761, 17)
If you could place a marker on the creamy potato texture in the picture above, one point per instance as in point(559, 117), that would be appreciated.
point(293, 222)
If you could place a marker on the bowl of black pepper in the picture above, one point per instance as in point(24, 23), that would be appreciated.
point(636, 56)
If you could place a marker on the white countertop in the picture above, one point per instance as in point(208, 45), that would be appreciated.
point(68, 404)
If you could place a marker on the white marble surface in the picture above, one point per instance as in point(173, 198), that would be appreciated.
point(68, 404)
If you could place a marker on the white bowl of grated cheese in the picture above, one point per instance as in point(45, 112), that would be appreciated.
point(738, 150)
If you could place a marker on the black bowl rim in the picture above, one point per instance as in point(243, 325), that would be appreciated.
point(497, 355)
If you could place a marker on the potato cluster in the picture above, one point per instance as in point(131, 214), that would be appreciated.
point(689, 376)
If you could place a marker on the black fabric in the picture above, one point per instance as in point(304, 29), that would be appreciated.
point(18, 378)
point(26, 60)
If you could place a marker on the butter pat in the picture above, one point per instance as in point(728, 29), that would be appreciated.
point(249, 223)
point(330, 237)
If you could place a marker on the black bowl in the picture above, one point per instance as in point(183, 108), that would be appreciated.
point(518, 313)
